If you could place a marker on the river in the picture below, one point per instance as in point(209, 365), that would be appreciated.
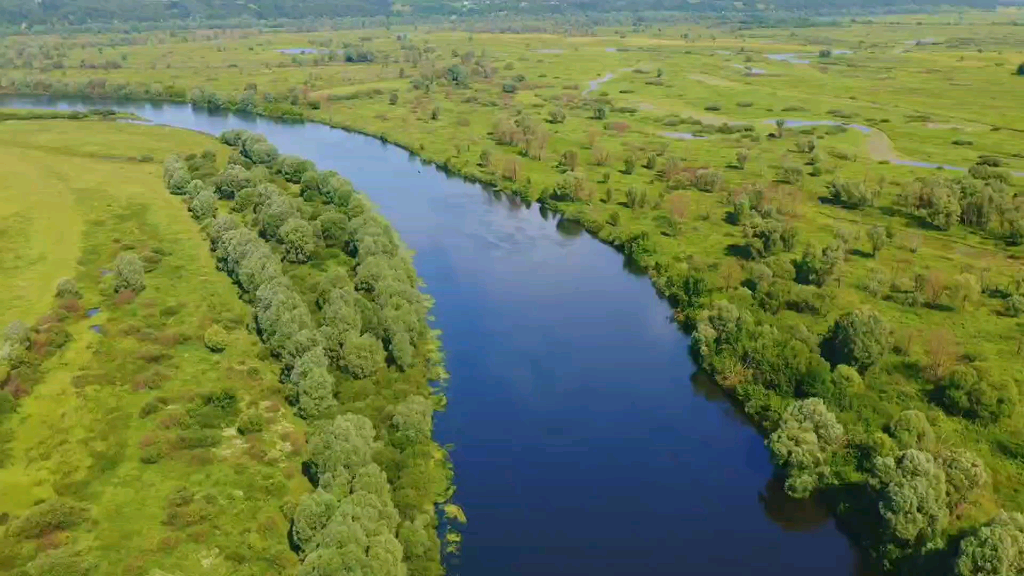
point(583, 443)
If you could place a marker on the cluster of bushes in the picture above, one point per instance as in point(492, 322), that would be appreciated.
point(350, 332)
point(983, 202)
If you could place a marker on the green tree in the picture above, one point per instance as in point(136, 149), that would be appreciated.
point(910, 429)
point(858, 338)
point(878, 239)
point(742, 157)
point(412, 421)
point(780, 126)
point(362, 355)
point(995, 549)
point(129, 273)
point(803, 445)
point(333, 229)
point(277, 210)
point(312, 515)
point(965, 393)
point(556, 116)
point(913, 503)
point(966, 476)
point(293, 168)
point(232, 181)
point(298, 240)
point(203, 206)
point(846, 379)
point(341, 446)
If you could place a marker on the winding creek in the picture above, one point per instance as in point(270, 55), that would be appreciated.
point(583, 442)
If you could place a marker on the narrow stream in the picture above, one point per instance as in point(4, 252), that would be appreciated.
point(584, 443)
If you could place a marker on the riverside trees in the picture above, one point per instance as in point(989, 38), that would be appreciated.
point(356, 364)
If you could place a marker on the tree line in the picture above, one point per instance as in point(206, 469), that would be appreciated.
point(336, 301)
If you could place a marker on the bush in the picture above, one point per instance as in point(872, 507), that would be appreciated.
point(215, 339)
point(67, 288)
point(250, 422)
point(49, 517)
point(707, 180)
point(129, 273)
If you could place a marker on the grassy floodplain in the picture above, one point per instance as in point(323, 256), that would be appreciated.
point(76, 195)
point(144, 427)
point(664, 142)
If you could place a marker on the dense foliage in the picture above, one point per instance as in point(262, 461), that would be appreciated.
point(336, 301)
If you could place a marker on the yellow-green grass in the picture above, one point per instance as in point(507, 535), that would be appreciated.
point(79, 198)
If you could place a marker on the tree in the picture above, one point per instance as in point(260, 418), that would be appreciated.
point(312, 515)
point(913, 499)
point(412, 421)
point(859, 338)
point(293, 168)
point(298, 240)
point(556, 116)
point(68, 288)
point(341, 446)
point(966, 476)
point(911, 430)
point(340, 320)
point(965, 394)
point(129, 273)
point(878, 239)
point(278, 210)
point(362, 355)
point(780, 125)
point(1020, 69)
point(995, 549)
point(231, 181)
point(846, 379)
point(326, 186)
point(803, 445)
point(315, 393)
point(203, 206)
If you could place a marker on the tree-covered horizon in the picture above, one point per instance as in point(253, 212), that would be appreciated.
point(28, 13)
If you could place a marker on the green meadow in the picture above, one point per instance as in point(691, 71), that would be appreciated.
point(81, 443)
point(759, 174)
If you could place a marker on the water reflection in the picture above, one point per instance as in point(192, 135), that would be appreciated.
point(792, 514)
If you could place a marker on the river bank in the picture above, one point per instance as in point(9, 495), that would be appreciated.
point(447, 255)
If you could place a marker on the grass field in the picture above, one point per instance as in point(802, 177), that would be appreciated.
point(99, 422)
point(601, 124)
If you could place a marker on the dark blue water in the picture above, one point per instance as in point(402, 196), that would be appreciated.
point(583, 444)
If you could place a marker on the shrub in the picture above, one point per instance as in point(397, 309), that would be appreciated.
point(216, 339)
point(67, 288)
point(557, 116)
point(129, 273)
point(250, 422)
point(50, 516)
point(707, 180)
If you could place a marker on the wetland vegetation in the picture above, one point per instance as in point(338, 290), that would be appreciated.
point(863, 308)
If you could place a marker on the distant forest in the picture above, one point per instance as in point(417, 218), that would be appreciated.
point(82, 12)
